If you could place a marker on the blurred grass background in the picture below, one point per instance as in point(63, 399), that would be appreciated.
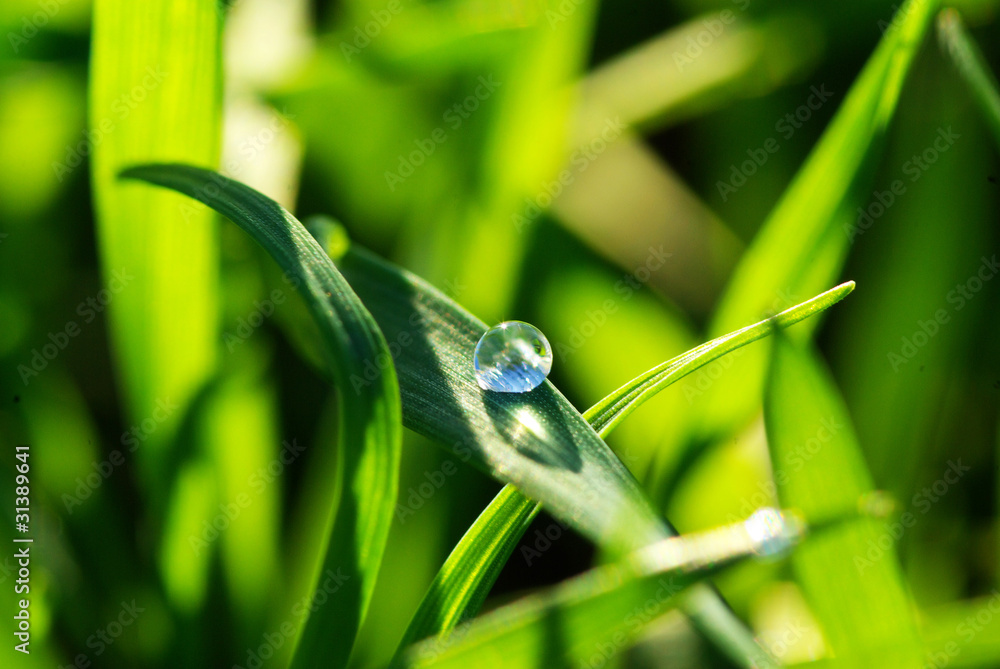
point(327, 122)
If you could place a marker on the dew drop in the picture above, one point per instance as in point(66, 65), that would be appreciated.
point(512, 357)
point(772, 532)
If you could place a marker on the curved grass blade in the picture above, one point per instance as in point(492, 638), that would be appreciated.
point(369, 449)
point(471, 569)
point(536, 441)
point(613, 409)
point(972, 66)
point(860, 602)
point(594, 615)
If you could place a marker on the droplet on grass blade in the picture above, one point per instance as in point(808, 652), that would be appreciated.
point(772, 532)
point(512, 357)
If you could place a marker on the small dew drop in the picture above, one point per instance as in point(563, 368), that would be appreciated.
point(771, 532)
point(512, 357)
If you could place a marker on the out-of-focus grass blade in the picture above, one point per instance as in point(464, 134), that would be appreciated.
point(594, 615)
point(156, 98)
point(801, 246)
point(971, 64)
point(368, 458)
point(649, 86)
point(964, 634)
point(795, 233)
point(857, 597)
point(473, 566)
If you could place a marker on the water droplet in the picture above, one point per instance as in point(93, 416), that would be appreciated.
point(772, 532)
point(512, 357)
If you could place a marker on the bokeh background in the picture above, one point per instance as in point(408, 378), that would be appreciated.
point(437, 140)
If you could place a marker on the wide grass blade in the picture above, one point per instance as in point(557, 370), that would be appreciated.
point(535, 440)
point(850, 575)
point(153, 97)
point(590, 618)
point(370, 433)
point(473, 566)
point(970, 63)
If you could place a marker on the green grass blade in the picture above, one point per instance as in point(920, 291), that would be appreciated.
point(858, 597)
point(473, 566)
point(368, 459)
point(795, 235)
point(153, 97)
point(593, 615)
point(465, 579)
point(536, 440)
point(972, 66)
point(610, 411)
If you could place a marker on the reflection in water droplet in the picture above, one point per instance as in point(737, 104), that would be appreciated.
point(771, 532)
point(512, 357)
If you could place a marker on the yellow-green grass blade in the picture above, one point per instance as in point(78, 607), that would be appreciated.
point(801, 246)
point(972, 66)
point(367, 465)
point(473, 566)
point(794, 234)
point(154, 97)
point(585, 621)
point(857, 596)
